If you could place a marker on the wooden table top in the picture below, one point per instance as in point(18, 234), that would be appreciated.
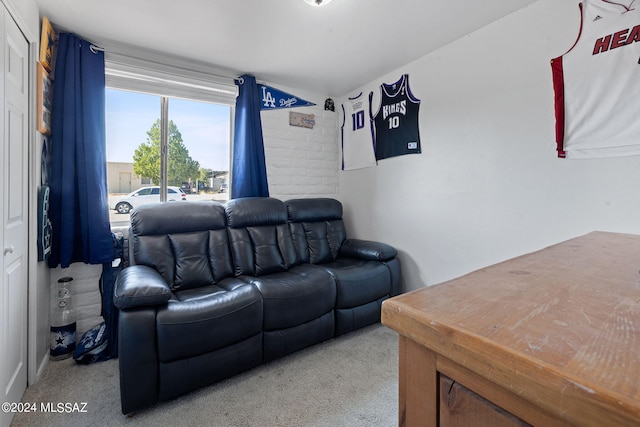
point(559, 327)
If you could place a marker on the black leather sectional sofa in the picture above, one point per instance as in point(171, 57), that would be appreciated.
point(213, 289)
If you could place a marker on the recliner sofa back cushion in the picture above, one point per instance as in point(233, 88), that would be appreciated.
point(191, 260)
point(219, 254)
point(188, 254)
point(260, 238)
point(318, 242)
point(317, 228)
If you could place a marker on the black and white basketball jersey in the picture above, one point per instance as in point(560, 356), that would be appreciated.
point(396, 122)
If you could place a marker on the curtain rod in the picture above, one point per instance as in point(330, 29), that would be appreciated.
point(96, 49)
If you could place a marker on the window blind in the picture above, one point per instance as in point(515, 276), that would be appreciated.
point(127, 72)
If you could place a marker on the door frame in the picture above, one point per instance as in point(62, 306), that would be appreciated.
point(39, 298)
point(37, 273)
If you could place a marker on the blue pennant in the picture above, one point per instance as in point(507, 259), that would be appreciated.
point(272, 98)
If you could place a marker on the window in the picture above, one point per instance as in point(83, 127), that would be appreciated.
point(198, 133)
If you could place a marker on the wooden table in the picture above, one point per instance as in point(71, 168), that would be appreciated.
point(550, 338)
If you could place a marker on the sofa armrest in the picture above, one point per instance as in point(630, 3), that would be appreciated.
point(140, 285)
point(366, 249)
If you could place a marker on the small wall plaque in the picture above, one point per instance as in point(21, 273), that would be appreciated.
point(302, 120)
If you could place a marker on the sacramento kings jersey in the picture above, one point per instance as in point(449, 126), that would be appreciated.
point(396, 122)
point(597, 83)
point(357, 134)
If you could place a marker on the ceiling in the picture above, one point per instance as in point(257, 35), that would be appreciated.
point(330, 50)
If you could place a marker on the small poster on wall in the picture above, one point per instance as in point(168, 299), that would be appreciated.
point(301, 120)
point(47, 45)
point(44, 101)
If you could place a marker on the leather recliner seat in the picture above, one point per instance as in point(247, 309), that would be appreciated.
point(213, 290)
point(298, 298)
point(185, 320)
point(366, 273)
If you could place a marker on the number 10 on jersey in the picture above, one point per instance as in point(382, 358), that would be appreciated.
point(358, 120)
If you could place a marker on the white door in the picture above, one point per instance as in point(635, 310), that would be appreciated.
point(14, 89)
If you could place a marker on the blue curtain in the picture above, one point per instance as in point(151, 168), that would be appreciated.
point(78, 180)
point(249, 169)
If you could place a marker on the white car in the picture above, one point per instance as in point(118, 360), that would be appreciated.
point(124, 204)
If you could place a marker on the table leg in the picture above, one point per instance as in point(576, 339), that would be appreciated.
point(418, 385)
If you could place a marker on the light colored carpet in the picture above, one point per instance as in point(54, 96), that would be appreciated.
point(347, 381)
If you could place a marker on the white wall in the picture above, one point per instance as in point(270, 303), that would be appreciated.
point(488, 185)
point(25, 13)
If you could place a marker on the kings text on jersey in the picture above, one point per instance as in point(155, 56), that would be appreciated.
point(398, 107)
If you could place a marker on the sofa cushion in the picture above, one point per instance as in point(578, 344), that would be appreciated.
point(155, 252)
point(359, 281)
point(266, 250)
point(296, 296)
point(169, 217)
point(317, 228)
point(220, 254)
point(314, 209)
point(205, 319)
point(259, 236)
point(251, 211)
point(188, 254)
point(323, 240)
point(192, 268)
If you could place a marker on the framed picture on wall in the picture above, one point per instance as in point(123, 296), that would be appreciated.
point(47, 44)
point(44, 101)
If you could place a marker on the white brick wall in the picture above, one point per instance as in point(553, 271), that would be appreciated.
point(301, 162)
